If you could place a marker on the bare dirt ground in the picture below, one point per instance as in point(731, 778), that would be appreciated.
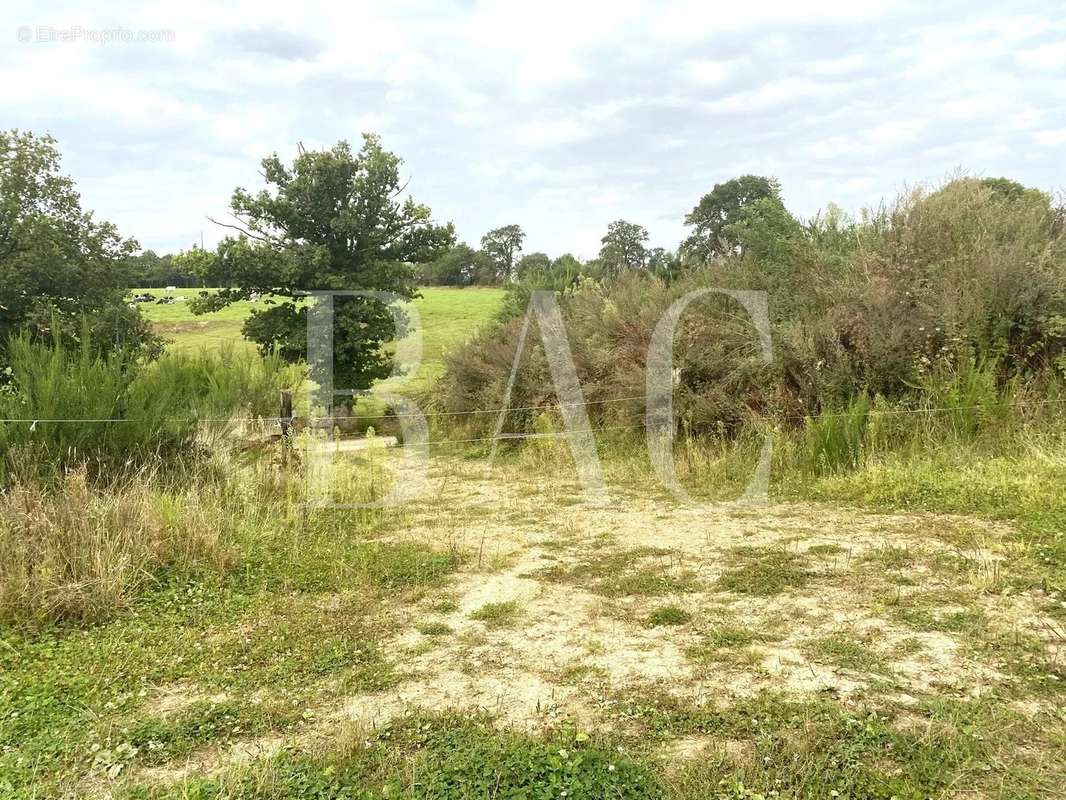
point(549, 562)
point(565, 611)
point(562, 611)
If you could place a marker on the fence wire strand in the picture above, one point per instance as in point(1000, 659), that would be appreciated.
point(33, 422)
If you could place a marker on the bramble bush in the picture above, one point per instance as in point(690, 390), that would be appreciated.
point(963, 284)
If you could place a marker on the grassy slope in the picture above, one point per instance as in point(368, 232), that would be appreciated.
point(188, 331)
point(447, 315)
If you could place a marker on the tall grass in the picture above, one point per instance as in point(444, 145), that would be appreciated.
point(1013, 439)
point(969, 405)
point(86, 519)
point(111, 412)
point(79, 554)
point(836, 439)
point(970, 399)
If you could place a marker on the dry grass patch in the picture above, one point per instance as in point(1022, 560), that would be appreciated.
point(498, 615)
point(80, 554)
point(639, 572)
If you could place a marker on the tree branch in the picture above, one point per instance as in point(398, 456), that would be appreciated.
point(241, 229)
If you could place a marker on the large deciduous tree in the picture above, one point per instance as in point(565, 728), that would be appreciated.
point(720, 208)
point(332, 220)
point(60, 269)
point(532, 263)
point(623, 247)
point(461, 265)
point(503, 245)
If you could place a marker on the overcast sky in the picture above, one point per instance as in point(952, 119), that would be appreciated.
point(558, 116)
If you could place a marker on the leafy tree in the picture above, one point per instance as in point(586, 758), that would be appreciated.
point(623, 247)
point(151, 269)
point(568, 265)
point(503, 246)
point(61, 271)
point(537, 272)
point(720, 208)
point(461, 265)
point(532, 263)
point(456, 267)
point(1006, 189)
point(664, 263)
point(332, 220)
point(484, 269)
point(765, 231)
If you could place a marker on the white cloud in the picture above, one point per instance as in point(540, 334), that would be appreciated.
point(839, 66)
point(550, 132)
point(709, 73)
point(894, 132)
point(1051, 138)
point(769, 95)
point(696, 19)
point(560, 116)
point(1048, 56)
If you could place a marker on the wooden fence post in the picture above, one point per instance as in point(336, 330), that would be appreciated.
point(285, 417)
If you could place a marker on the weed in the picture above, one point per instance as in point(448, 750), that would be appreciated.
point(446, 757)
point(642, 572)
point(764, 572)
point(829, 549)
point(81, 554)
point(889, 557)
point(158, 740)
point(667, 615)
point(498, 615)
point(445, 605)
point(399, 566)
point(844, 651)
point(434, 629)
point(728, 644)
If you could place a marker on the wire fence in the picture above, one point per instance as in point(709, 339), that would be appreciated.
point(312, 420)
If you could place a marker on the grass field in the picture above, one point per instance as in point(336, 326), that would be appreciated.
point(448, 316)
point(892, 630)
point(498, 638)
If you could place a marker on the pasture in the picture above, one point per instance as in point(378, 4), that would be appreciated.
point(448, 316)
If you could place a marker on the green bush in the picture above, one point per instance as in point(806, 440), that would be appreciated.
point(66, 407)
point(948, 298)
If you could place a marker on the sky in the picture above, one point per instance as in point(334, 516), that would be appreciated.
point(558, 116)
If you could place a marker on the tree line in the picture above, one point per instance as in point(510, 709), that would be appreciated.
point(335, 219)
point(716, 230)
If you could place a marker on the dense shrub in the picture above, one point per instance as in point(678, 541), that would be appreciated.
point(120, 412)
point(967, 280)
point(960, 275)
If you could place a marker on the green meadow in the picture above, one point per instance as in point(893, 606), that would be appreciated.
point(448, 316)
